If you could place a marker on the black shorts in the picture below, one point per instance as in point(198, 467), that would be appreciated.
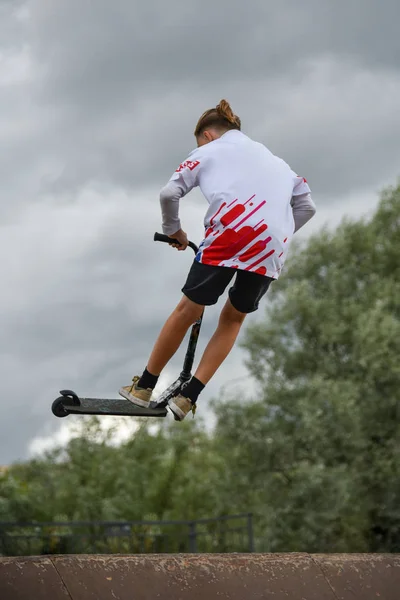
point(206, 283)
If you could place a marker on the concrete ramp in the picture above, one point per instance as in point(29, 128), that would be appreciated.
point(202, 577)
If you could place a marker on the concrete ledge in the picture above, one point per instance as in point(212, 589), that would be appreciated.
point(199, 577)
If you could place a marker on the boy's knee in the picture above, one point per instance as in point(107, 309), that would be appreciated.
point(231, 314)
point(189, 310)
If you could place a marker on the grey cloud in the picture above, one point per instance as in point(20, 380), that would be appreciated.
point(113, 107)
point(12, 29)
point(341, 129)
point(105, 115)
point(153, 42)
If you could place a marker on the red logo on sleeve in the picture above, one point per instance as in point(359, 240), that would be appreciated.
point(190, 164)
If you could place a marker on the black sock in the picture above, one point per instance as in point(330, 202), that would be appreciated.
point(148, 380)
point(192, 389)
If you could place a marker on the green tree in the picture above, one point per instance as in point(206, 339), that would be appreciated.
point(317, 454)
point(150, 476)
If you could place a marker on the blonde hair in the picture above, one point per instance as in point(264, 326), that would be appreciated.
point(220, 117)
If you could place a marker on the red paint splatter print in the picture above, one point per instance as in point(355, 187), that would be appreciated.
point(230, 238)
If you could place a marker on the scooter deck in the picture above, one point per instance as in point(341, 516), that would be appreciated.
point(110, 406)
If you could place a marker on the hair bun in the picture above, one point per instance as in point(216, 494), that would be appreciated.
point(220, 117)
point(224, 109)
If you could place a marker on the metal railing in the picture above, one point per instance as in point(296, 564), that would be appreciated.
point(221, 534)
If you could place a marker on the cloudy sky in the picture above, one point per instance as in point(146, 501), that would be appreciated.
point(98, 101)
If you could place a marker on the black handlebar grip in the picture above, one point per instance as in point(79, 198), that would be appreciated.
point(161, 237)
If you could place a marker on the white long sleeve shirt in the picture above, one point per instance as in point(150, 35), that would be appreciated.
point(256, 203)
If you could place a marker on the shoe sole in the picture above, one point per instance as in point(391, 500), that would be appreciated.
point(133, 399)
point(177, 412)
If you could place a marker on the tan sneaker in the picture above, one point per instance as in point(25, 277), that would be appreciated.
point(136, 394)
point(181, 406)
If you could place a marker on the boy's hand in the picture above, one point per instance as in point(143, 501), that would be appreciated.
point(182, 239)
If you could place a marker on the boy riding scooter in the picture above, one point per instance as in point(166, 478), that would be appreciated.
point(256, 204)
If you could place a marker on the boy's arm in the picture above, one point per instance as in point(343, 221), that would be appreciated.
point(182, 181)
point(303, 209)
point(302, 204)
point(169, 200)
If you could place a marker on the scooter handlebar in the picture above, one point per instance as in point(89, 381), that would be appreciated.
point(161, 237)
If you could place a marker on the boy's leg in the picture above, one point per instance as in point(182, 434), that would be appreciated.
point(168, 342)
point(218, 348)
point(244, 298)
point(172, 334)
point(221, 343)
